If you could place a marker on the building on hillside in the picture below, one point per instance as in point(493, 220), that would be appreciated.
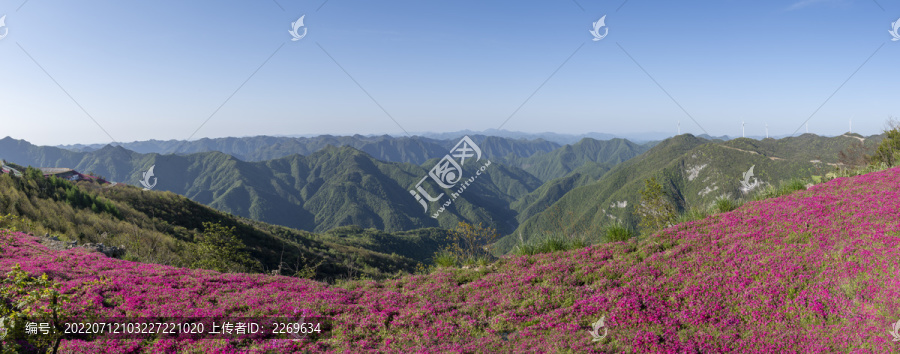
point(64, 173)
point(71, 175)
point(4, 168)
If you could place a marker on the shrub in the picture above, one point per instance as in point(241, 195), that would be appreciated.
point(467, 243)
point(618, 232)
point(306, 269)
point(526, 250)
point(25, 299)
point(14, 223)
point(783, 188)
point(553, 244)
point(579, 243)
point(549, 243)
point(655, 210)
point(888, 152)
point(692, 214)
point(794, 185)
point(444, 258)
point(220, 250)
point(724, 204)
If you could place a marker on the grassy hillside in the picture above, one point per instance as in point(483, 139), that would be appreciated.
point(162, 227)
point(694, 171)
point(815, 271)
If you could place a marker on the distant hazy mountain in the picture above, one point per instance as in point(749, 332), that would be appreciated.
point(259, 148)
point(562, 161)
point(561, 139)
point(414, 150)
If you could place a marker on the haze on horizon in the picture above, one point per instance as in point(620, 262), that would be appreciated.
point(159, 70)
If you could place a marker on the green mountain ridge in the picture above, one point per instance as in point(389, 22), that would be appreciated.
point(694, 172)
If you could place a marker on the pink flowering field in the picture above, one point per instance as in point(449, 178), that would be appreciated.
point(815, 271)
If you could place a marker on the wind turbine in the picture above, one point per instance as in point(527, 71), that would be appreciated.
point(679, 127)
point(742, 130)
point(767, 130)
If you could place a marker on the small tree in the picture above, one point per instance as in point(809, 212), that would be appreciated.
point(888, 152)
point(219, 249)
point(655, 209)
point(468, 243)
point(34, 174)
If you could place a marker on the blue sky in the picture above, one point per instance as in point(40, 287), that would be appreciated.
point(158, 70)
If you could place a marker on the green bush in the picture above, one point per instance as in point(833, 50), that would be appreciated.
point(794, 185)
point(220, 250)
point(769, 191)
point(549, 243)
point(24, 299)
point(525, 250)
point(783, 188)
point(656, 210)
point(444, 258)
point(692, 214)
point(468, 242)
point(553, 244)
point(724, 204)
point(618, 232)
point(578, 243)
point(888, 152)
point(467, 245)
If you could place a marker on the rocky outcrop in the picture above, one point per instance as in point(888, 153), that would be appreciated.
point(54, 243)
point(109, 251)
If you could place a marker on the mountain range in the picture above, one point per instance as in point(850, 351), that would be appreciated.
point(340, 185)
point(384, 147)
point(531, 186)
